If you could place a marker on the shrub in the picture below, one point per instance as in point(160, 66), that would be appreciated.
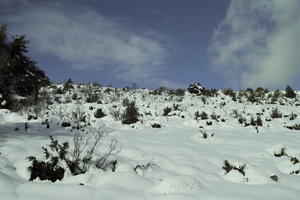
point(293, 116)
point(68, 85)
point(214, 116)
point(176, 106)
point(78, 159)
point(209, 92)
point(289, 92)
point(275, 96)
point(115, 113)
point(167, 110)
point(99, 113)
point(79, 117)
point(274, 178)
point(235, 113)
point(179, 92)
point(228, 167)
point(209, 123)
point(275, 113)
point(104, 162)
point(281, 153)
point(203, 115)
point(252, 122)
point(204, 99)
point(251, 97)
point(204, 134)
point(294, 160)
point(196, 115)
point(92, 98)
point(74, 97)
point(294, 127)
point(259, 121)
point(131, 114)
point(160, 91)
point(125, 102)
point(260, 92)
point(195, 88)
point(48, 170)
point(229, 92)
point(142, 168)
point(65, 124)
point(241, 120)
point(155, 125)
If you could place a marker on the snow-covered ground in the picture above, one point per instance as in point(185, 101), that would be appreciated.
point(182, 160)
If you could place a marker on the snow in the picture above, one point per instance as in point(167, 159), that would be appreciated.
point(175, 162)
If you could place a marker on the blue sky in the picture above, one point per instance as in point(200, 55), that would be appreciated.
point(219, 43)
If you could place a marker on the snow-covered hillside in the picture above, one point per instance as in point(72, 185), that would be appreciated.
point(184, 146)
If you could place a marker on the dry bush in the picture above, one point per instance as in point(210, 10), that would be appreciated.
point(78, 159)
point(115, 113)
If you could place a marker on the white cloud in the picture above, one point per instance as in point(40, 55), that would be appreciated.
point(258, 42)
point(85, 39)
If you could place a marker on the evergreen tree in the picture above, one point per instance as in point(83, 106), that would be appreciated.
point(289, 92)
point(68, 85)
point(131, 114)
point(18, 73)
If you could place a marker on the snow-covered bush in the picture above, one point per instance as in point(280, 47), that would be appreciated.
point(49, 169)
point(294, 127)
point(99, 113)
point(203, 115)
point(167, 110)
point(259, 121)
point(274, 178)
point(228, 167)
point(280, 153)
point(78, 158)
point(155, 125)
point(276, 113)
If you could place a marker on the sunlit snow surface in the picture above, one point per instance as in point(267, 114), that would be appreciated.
point(182, 164)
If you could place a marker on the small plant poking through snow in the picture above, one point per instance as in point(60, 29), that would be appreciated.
point(228, 167)
point(280, 153)
point(294, 160)
point(141, 169)
point(155, 125)
point(274, 178)
point(205, 135)
point(292, 116)
point(294, 127)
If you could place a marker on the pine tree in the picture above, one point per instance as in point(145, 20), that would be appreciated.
point(131, 114)
point(289, 92)
point(18, 73)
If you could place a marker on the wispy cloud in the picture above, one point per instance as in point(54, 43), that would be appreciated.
point(86, 39)
point(257, 44)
